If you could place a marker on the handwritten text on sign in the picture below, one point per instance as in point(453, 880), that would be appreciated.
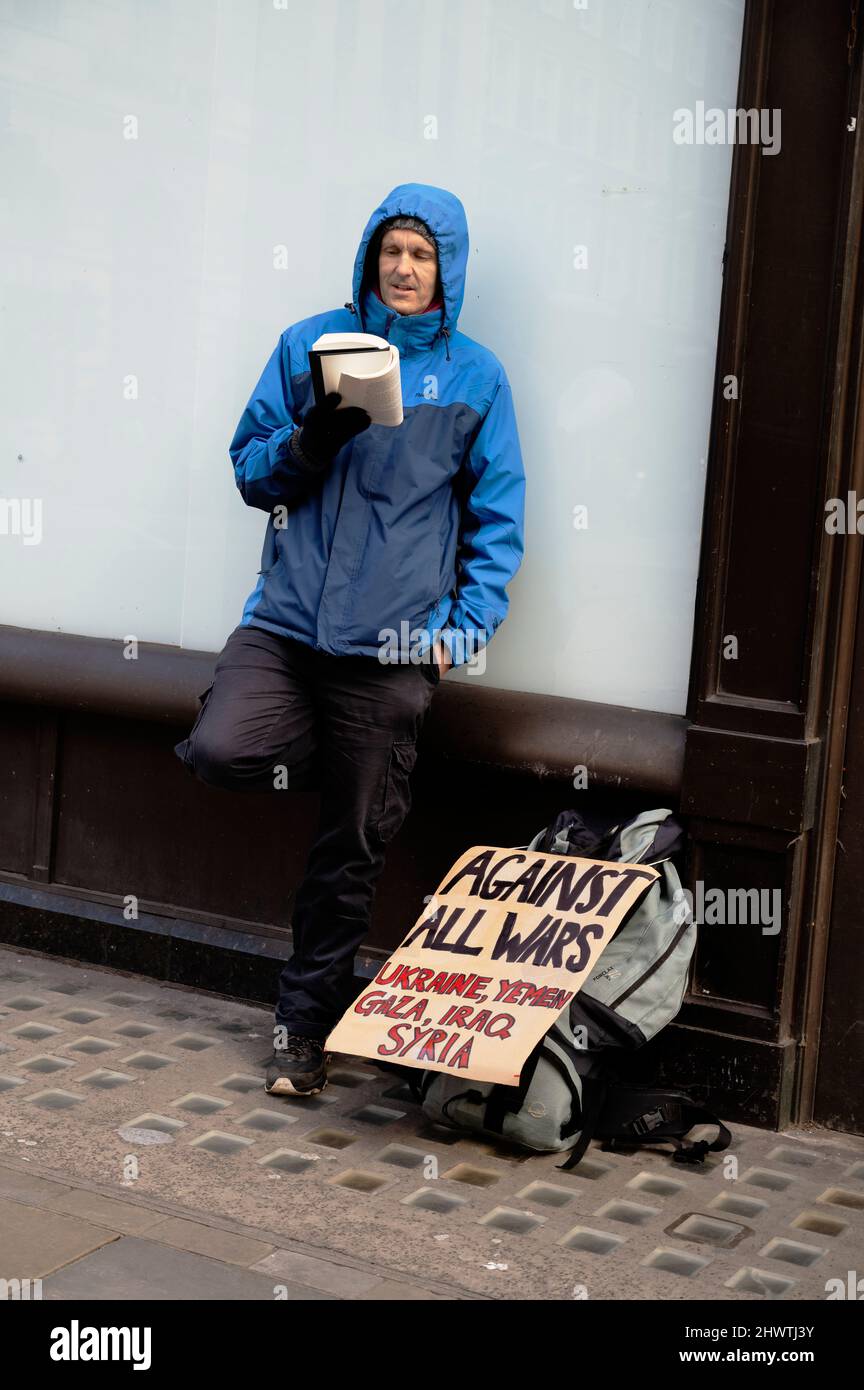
point(506, 941)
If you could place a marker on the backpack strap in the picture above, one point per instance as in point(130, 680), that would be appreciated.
point(634, 1116)
point(574, 1085)
point(508, 1100)
point(475, 1097)
point(415, 1082)
point(695, 1152)
point(593, 1098)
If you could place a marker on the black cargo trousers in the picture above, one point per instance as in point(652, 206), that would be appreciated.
point(282, 715)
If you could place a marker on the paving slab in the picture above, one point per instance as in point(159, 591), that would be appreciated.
point(29, 1186)
point(137, 1269)
point(341, 1280)
point(178, 1119)
point(121, 1217)
point(207, 1240)
point(390, 1292)
point(36, 1242)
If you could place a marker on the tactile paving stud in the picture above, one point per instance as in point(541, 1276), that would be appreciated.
point(345, 1076)
point(217, 1143)
point(193, 1042)
point(331, 1138)
point(162, 1123)
point(402, 1092)
point(800, 1158)
point(46, 1064)
point(511, 1154)
point(67, 988)
point(734, 1205)
point(16, 977)
point(34, 1032)
point(9, 1083)
point(377, 1115)
point(135, 1030)
point(147, 1061)
point(509, 1219)
point(474, 1177)
point(592, 1169)
point(125, 1001)
point(759, 1281)
point(24, 1003)
point(657, 1185)
point(178, 1015)
point(200, 1105)
point(792, 1251)
point(53, 1100)
point(289, 1161)
point(856, 1171)
point(820, 1224)
point(546, 1193)
point(764, 1177)
point(592, 1241)
point(440, 1134)
point(401, 1156)
point(104, 1080)
point(92, 1045)
point(676, 1261)
point(429, 1199)
point(266, 1120)
point(707, 1230)
point(630, 1212)
point(369, 1069)
point(840, 1197)
point(241, 1083)
point(358, 1181)
point(81, 1016)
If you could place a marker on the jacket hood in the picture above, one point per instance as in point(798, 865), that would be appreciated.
point(445, 217)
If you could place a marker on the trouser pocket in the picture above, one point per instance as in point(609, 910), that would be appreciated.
point(184, 748)
point(431, 670)
point(397, 791)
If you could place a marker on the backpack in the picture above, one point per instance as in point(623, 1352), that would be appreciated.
point(568, 1092)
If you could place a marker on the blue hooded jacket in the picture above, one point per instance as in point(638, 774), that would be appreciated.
point(413, 533)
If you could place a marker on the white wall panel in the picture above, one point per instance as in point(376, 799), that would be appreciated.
point(259, 126)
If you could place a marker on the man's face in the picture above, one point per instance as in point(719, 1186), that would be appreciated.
point(407, 271)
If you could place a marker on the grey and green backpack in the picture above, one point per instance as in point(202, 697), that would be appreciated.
point(568, 1092)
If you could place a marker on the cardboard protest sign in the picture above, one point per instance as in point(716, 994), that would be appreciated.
point(507, 939)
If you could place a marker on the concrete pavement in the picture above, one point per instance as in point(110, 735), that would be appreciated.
point(141, 1158)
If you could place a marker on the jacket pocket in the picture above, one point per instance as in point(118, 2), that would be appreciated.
point(397, 791)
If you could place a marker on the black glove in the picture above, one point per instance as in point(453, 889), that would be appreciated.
point(326, 430)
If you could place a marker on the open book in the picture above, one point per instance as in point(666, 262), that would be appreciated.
point(364, 369)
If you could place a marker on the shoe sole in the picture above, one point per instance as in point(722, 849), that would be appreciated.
point(285, 1087)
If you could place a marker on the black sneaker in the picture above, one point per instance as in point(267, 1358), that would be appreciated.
point(297, 1069)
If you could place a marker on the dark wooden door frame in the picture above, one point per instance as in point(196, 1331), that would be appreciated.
point(766, 733)
point(829, 1081)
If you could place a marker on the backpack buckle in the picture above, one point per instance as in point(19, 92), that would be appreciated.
point(653, 1119)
